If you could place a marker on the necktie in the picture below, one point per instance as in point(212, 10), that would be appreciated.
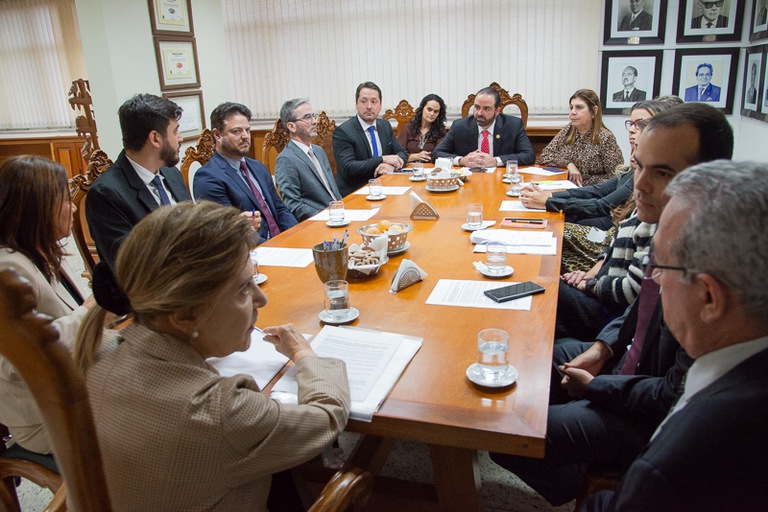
point(320, 173)
point(372, 131)
point(649, 297)
point(157, 182)
point(626, 95)
point(485, 146)
point(263, 207)
point(709, 24)
point(701, 92)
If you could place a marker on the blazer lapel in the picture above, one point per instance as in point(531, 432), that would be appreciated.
point(143, 195)
point(362, 136)
point(176, 186)
point(301, 155)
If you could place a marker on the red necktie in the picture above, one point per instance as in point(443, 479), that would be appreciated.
point(648, 298)
point(485, 146)
point(272, 226)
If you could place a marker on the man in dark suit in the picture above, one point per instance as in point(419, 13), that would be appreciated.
point(143, 176)
point(488, 138)
point(365, 146)
point(711, 17)
point(621, 395)
point(637, 19)
point(709, 453)
point(704, 90)
point(302, 170)
point(232, 179)
point(629, 93)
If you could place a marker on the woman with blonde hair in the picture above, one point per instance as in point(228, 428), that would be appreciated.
point(584, 146)
point(174, 434)
point(36, 212)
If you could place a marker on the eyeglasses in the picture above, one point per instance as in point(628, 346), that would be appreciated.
point(308, 118)
point(640, 124)
point(653, 271)
point(709, 5)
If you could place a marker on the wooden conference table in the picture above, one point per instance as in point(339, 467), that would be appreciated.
point(434, 402)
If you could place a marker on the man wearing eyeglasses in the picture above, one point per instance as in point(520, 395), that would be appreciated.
point(710, 17)
point(622, 385)
point(302, 169)
point(709, 453)
point(365, 146)
point(232, 179)
point(704, 90)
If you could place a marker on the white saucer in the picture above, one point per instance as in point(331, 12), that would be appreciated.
point(466, 227)
point(455, 187)
point(508, 271)
point(510, 194)
point(400, 250)
point(261, 278)
point(414, 178)
point(475, 374)
point(376, 198)
point(341, 224)
point(328, 319)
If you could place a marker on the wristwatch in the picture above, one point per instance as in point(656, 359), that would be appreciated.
point(589, 286)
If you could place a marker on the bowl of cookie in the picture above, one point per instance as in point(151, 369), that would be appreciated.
point(366, 260)
point(397, 232)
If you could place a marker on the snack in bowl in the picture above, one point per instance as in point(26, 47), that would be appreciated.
point(441, 180)
point(365, 261)
point(397, 233)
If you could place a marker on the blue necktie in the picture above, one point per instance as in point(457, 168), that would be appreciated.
point(160, 190)
point(372, 131)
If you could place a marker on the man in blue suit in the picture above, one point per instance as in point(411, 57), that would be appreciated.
point(364, 146)
point(302, 170)
point(704, 90)
point(232, 179)
point(488, 138)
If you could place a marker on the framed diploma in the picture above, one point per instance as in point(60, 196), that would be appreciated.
point(177, 62)
point(192, 121)
point(171, 17)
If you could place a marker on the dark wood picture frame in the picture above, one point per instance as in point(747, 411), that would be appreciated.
point(647, 63)
point(182, 51)
point(762, 104)
point(758, 26)
point(753, 86)
point(160, 27)
point(194, 124)
point(724, 63)
point(617, 17)
point(690, 10)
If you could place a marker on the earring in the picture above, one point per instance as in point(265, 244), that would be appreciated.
point(195, 335)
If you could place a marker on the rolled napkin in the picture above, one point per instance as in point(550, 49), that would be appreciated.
point(409, 273)
point(444, 163)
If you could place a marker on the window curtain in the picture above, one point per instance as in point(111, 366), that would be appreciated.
point(543, 49)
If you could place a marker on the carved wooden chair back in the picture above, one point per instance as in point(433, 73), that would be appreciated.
point(276, 140)
point(506, 100)
point(325, 129)
point(402, 113)
point(199, 154)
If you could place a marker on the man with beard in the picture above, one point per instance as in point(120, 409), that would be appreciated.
point(143, 177)
point(231, 179)
point(488, 138)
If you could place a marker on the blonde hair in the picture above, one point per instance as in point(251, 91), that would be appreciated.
point(176, 259)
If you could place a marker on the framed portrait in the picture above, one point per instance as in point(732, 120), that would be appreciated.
point(177, 62)
point(192, 121)
point(628, 77)
point(634, 21)
point(704, 21)
point(753, 82)
point(763, 100)
point(759, 26)
point(171, 17)
point(706, 75)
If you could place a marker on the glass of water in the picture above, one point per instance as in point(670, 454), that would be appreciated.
point(374, 188)
point(336, 212)
point(337, 299)
point(418, 170)
point(493, 353)
point(496, 258)
point(474, 216)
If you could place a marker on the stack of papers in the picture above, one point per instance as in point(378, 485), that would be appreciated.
point(387, 191)
point(348, 214)
point(555, 184)
point(281, 257)
point(539, 171)
point(375, 360)
point(517, 206)
point(517, 241)
point(261, 361)
point(469, 294)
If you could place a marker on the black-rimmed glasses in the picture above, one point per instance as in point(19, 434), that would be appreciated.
point(653, 271)
point(640, 124)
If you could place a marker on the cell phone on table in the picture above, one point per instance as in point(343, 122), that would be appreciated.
point(513, 291)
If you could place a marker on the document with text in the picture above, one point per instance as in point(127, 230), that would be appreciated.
point(469, 294)
point(281, 257)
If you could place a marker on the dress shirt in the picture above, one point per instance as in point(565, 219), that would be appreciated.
point(147, 176)
point(235, 164)
point(368, 135)
point(710, 367)
point(480, 130)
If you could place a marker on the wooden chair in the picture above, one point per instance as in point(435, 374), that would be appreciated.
point(325, 129)
point(200, 153)
point(31, 344)
point(402, 113)
point(506, 100)
point(598, 480)
point(78, 188)
point(275, 139)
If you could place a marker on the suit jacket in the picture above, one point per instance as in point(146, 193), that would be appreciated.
point(296, 176)
point(175, 435)
point(355, 163)
point(722, 22)
point(710, 455)
point(118, 200)
point(18, 409)
point(642, 22)
point(635, 95)
point(711, 93)
point(217, 181)
point(510, 140)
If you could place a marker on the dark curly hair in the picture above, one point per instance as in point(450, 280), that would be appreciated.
point(437, 130)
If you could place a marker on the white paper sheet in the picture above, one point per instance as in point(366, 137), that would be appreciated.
point(542, 250)
point(469, 294)
point(348, 214)
point(517, 206)
point(261, 361)
point(538, 171)
point(512, 236)
point(555, 184)
point(282, 257)
point(387, 191)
